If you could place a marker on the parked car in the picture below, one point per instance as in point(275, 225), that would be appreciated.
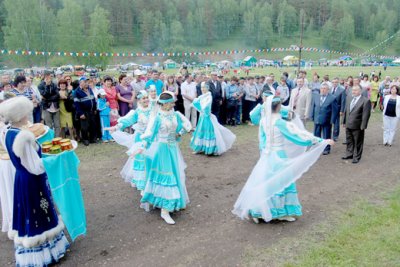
point(79, 70)
point(91, 71)
point(67, 70)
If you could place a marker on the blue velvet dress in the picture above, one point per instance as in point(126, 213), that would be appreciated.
point(37, 231)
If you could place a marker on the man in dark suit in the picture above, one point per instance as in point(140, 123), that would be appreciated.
point(356, 116)
point(340, 95)
point(323, 112)
point(216, 92)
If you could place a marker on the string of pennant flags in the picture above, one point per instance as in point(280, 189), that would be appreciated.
point(381, 43)
point(178, 54)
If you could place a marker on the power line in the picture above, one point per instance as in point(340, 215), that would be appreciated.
point(381, 43)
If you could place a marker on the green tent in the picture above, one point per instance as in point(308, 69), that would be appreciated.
point(169, 64)
point(249, 61)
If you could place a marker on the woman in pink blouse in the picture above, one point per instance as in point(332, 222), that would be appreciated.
point(112, 98)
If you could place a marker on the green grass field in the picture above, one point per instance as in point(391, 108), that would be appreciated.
point(367, 235)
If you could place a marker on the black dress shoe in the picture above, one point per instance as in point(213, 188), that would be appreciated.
point(355, 161)
point(347, 157)
point(326, 153)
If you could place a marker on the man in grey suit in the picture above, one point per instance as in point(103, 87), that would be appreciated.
point(324, 110)
point(356, 116)
point(340, 95)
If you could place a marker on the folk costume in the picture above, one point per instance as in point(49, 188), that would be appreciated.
point(37, 231)
point(166, 186)
point(270, 192)
point(210, 137)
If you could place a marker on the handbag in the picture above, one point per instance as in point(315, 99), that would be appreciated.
point(69, 103)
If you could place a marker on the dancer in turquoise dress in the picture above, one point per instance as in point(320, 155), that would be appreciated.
point(210, 137)
point(165, 188)
point(37, 231)
point(152, 97)
point(257, 117)
point(134, 170)
point(270, 192)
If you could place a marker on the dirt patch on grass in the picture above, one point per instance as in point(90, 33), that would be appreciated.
point(206, 233)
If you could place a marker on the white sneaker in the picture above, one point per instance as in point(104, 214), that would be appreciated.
point(287, 218)
point(145, 206)
point(167, 217)
point(256, 220)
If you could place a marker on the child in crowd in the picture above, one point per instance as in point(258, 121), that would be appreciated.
point(104, 109)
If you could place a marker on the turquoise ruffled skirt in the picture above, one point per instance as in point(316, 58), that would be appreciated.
point(134, 170)
point(285, 203)
point(165, 187)
point(139, 169)
point(204, 139)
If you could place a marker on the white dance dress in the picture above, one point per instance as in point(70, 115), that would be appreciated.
point(270, 191)
point(134, 170)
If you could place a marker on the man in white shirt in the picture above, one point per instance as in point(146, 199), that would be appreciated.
point(270, 83)
point(188, 89)
point(300, 100)
point(138, 84)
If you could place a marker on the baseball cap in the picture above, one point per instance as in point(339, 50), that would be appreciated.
point(137, 72)
point(83, 78)
point(102, 92)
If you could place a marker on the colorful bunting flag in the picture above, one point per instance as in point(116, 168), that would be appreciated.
point(193, 53)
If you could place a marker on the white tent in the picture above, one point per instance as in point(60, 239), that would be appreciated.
point(396, 61)
point(290, 58)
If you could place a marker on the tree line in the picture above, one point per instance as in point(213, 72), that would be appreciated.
point(175, 25)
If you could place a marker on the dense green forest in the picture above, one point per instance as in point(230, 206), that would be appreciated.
point(175, 25)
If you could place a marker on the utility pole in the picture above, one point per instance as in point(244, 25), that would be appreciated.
point(44, 44)
point(301, 40)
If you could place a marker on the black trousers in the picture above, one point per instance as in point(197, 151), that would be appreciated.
point(215, 109)
point(231, 114)
point(99, 132)
point(88, 127)
point(355, 143)
point(248, 106)
point(223, 112)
